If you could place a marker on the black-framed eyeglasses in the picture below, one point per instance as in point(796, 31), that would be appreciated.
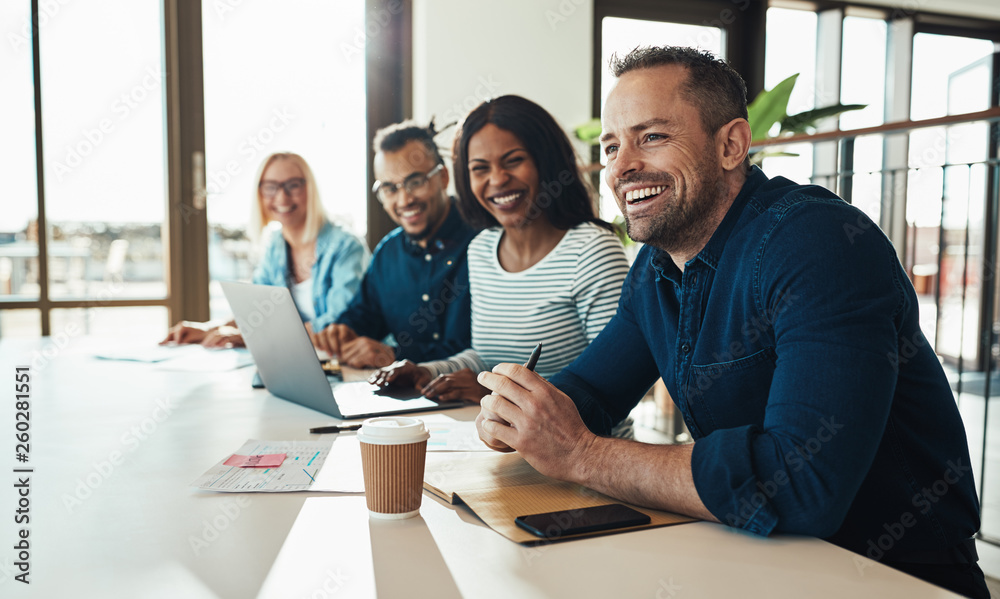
point(292, 187)
point(385, 191)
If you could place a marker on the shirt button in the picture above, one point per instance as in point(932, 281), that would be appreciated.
point(425, 297)
point(427, 257)
point(686, 348)
point(694, 278)
point(448, 262)
point(436, 336)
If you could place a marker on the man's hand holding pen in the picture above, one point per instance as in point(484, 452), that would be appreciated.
point(528, 414)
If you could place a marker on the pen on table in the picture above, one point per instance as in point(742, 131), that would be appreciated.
point(533, 359)
point(334, 429)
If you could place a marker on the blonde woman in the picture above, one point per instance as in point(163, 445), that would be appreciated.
point(320, 263)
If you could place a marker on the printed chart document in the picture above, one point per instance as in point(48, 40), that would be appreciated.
point(327, 465)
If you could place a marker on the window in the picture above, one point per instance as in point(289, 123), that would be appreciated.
point(790, 48)
point(99, 241)
point(949, 77)
point(299, 82)
point(104, 151)
point(18, 235)
point(863, 82)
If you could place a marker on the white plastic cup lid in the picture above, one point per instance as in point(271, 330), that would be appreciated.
point(392, 430)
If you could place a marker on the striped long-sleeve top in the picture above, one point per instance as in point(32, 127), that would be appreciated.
point(563, 301)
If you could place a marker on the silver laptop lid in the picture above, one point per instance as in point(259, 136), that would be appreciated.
point(277, 340)
point(289, 368)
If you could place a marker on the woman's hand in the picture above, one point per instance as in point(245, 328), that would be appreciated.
point(455, 386)
point(402, 373)
point(223, 337)
point(186, 332)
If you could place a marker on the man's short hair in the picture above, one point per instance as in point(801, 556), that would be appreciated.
point(394, 137)
point(712, 86)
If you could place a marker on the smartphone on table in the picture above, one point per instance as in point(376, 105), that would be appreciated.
point(588, 519)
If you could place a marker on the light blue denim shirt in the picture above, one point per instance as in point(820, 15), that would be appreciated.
point(341, 260)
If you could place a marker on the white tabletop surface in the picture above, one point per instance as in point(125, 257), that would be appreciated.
point(138, 529)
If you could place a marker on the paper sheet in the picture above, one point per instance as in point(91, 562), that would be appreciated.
point(448, 434)
point(208, 360)
point(308, 466)
point(147, 352)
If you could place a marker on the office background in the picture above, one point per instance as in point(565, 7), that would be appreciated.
point(136, 128)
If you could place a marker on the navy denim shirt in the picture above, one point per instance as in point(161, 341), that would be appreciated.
point(418, 295)
point(791, 346)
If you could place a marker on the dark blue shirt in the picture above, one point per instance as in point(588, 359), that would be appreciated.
point(419, 295)
point(791, 346)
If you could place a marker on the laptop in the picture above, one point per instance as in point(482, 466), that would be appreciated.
point(288, 365)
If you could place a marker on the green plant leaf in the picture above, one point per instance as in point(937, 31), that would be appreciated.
point(619, 225)
point(589, 132)
point(804, 122)
point(770, 107)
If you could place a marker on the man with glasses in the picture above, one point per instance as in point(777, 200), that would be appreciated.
point(417, 285)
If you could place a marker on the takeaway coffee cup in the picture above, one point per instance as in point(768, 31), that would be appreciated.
point(392, 458)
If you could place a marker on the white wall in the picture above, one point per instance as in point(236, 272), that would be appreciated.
point(466, 51)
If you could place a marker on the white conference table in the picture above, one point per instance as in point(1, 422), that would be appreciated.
point(138, 529)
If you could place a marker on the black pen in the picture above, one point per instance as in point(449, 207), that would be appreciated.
point(334, 429)
point(533, 358)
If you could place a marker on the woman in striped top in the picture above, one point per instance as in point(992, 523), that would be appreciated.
point(544, 268)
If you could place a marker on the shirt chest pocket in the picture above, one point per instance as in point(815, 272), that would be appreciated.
point(729, 394)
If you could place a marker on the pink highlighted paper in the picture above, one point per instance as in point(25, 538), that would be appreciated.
point(270, 460)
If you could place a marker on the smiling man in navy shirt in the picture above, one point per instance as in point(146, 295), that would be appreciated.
point(417, 285)
point(786, 330)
